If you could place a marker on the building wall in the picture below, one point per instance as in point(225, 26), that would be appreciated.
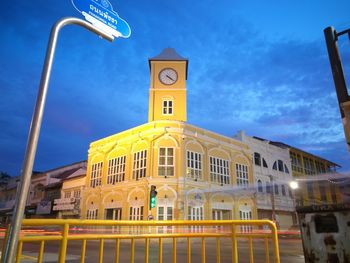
point(268, 175)
point(187, 195)
point(73, 186)
point(37, 185)
point(68, 206)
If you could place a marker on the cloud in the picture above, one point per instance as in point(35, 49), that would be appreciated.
point(238, 78)
point(282, 91)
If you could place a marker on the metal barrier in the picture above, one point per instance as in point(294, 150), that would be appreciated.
point(169, 234)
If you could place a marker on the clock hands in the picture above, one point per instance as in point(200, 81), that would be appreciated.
point(169, 77)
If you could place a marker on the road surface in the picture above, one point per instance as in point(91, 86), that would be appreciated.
point(290, 251)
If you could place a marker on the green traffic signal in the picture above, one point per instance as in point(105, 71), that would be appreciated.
point(153, 202)
point(153, 199)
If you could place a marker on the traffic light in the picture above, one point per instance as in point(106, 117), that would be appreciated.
point(153, 197)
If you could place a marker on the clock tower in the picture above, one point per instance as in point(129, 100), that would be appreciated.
point(167, 98)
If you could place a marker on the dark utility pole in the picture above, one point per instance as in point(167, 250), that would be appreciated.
point(331, 37)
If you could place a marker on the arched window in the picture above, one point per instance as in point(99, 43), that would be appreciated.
point(286, 169)
point(257, 159)
point(280, 166)
point(219, 170)
point(264, 163)
point(274, 166)
point(260, 187)
point(242, 175)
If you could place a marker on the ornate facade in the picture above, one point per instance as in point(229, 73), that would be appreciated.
point(198, 174)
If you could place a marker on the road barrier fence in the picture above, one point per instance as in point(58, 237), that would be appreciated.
point(162, 238)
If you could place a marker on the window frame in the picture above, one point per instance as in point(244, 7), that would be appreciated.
point(136, 213)
point(219, 170)
point(246, 215)
point(116, 169)
point(286, 170)
point(169, 169)
point(264, 163)
point(167, 107)
point(139, 164)
point(257, 159)
point(195, 212)
point(242, 175)
point(96, 174)
point(274, 166)
point(309, 166)
point(260, 186)
point(194, 165)
point(296, 162)
point(165, 215)
point(67, 194)
point(92, 213)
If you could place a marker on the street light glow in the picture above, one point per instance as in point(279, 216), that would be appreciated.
point(294, 185)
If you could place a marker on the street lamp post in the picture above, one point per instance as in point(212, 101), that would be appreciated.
point(27, 168)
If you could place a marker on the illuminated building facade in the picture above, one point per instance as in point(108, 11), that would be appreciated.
point(198, 174)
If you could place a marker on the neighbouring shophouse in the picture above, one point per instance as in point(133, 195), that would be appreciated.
point(272, 175)
point(318, 180)
point(38, 202)
point(8, 190)
point(9, 196)
point(198, 174)
point(73, 184)
point(46, 190)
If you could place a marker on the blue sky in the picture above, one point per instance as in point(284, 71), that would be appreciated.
point(258, 66)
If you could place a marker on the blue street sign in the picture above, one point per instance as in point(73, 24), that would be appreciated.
point(100, 13)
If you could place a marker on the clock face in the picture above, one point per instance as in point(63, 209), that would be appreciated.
point(168, 76)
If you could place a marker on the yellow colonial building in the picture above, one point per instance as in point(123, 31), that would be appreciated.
point(198, 174)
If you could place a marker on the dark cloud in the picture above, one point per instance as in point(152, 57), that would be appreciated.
point(285, 86)
point(239, 77)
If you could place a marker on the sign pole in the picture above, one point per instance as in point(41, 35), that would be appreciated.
point(331, 37)
point(27, 168)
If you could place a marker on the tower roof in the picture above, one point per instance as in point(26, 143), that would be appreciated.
point(168, 54)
